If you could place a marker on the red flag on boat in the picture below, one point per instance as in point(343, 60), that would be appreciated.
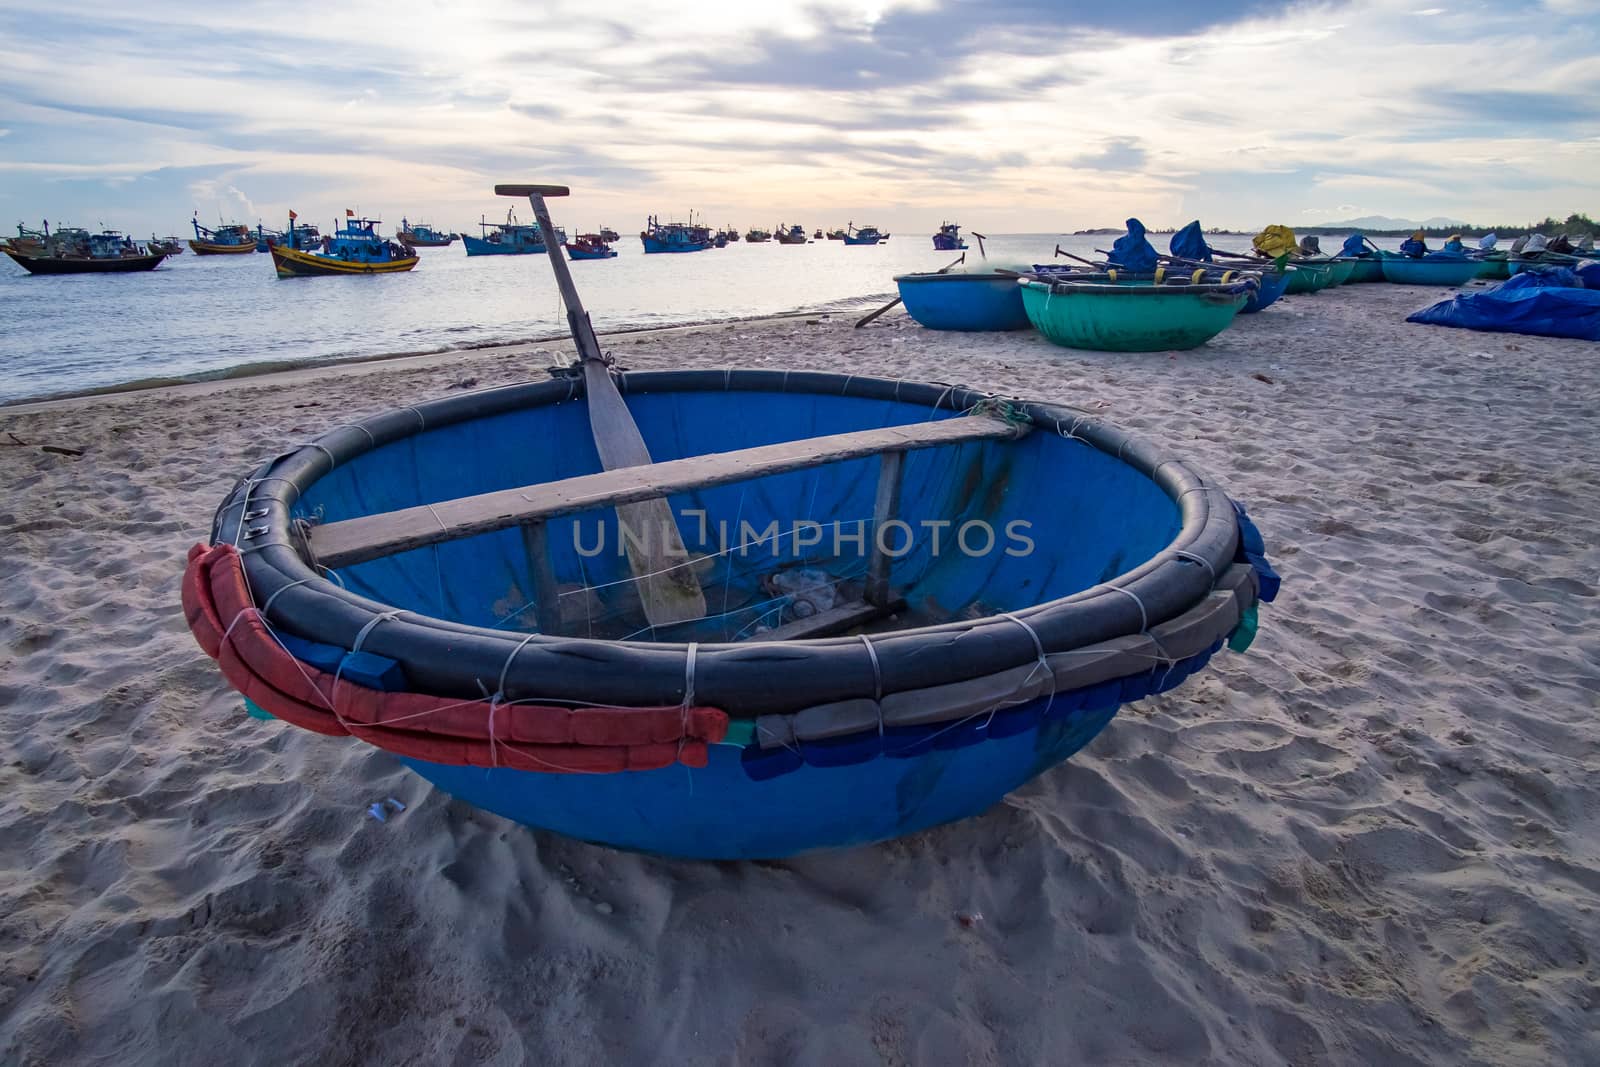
point(349, 214)
point(292, 216)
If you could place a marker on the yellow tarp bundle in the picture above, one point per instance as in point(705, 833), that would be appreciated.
point(1275, 241)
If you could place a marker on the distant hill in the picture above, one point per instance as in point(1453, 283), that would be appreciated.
point(1384, 222)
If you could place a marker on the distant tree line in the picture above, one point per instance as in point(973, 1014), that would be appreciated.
point(1575, 225)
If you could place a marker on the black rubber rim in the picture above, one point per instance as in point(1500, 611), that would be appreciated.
point(457, 660)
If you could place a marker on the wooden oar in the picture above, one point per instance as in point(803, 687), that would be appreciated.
point(667, 584)
point(981, 238)
point(942, 270)
point(1062, 252)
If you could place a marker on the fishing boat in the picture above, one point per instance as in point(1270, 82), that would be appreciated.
point(818, 235)
point(422, 235)
point(864, 235)
point(1128, 311)
point(76, 251)
point(232, 239)
point(428, 582)
point(590, 246)
point(948, 239)
point(658, 236)
point(27, 240)
point(836, 235)
point(981, 300)
point(757, 237)
point(609, 236)
point(300, 236)
point(266, 238)
point(354, 248)
point(167, 246)
point(732, 233)
point(790, 235)
point(509, 238)
point(719, 240)
point(1435, 268)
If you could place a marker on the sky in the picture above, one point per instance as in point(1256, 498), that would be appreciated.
point(1007, 115)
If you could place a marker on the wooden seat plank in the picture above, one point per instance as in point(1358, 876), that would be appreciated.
point(350, 541)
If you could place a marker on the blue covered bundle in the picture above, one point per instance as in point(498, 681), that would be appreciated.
point(1132, 251)
point(1547, 304)
point(1355, 246)
point(1190, 243)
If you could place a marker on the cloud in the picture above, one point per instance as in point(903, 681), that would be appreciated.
point(1516, 106)
point(907, 107)
point(1119, 153)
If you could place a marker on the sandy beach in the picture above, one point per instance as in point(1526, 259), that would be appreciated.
point(1372, 839)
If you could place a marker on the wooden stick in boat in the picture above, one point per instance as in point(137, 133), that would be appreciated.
point(981, 238)
point(942, 270)
point(1061, 252)
point(670, 590)
point(351, 541)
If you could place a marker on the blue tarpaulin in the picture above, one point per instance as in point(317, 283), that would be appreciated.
point(1190, 243)
point(1133, 251)
point(1546, 304)
point(1354, 245)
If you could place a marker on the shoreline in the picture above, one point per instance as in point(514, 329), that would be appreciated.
point(290, 372)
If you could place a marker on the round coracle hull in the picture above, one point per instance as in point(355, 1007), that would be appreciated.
point(1124, 322)
point(708, 741)
point(978, 302)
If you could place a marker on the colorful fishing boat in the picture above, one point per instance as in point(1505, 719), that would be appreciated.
point(300, 236)
point(422, 235)
point(658, 236)
point(231, 239)
point(266, 238)
point(590, 246)
point(980, 300)
point(948, 239)
point(1125, 311)
point(757, 237)
point(27, 240)
point(864, 235)
point(354, 248)
point(509, 238)
point(790, 235)
point(1080, 568)
point(76, 251)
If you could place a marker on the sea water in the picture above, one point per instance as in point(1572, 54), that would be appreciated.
point(198, 317)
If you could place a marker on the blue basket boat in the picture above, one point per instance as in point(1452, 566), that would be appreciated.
point(1002, 659)
point(963, 301)
point(1271, 286)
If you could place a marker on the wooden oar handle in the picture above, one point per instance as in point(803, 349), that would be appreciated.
point(532, 190)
